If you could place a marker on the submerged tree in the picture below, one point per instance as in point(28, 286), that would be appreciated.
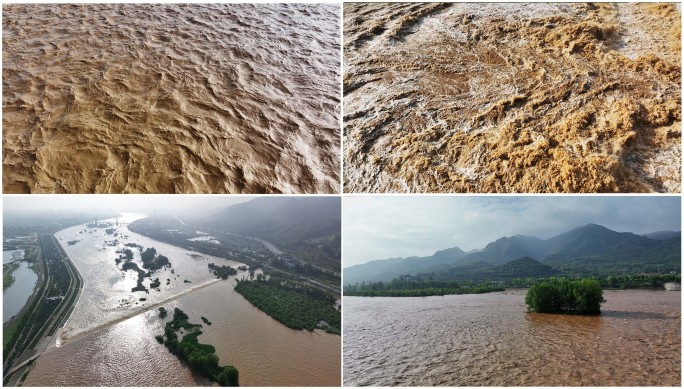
point(582, 297)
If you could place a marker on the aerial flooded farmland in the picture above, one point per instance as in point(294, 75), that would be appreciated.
point(132, 296)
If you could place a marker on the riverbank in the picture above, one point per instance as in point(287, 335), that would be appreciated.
point(7, 278)
point(36, 329)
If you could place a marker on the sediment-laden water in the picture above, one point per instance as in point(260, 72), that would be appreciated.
point(170, 98)
point(106, 295)
point(490, 340)
point(524, 97)
point(107, 343)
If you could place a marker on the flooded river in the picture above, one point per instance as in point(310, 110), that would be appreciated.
point(490, 340)
point(106, 294)
point(518, 97)
point(107, 344)
point(171, 98)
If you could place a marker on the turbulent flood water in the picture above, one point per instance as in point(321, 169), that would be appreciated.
point(105, 343)
point(490, 340)
point(524, 97)
point(161, 98)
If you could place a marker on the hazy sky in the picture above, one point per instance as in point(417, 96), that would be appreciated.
point(385, 227)
point(120, 203)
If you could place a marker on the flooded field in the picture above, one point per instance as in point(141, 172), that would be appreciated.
point(106, 294)
point(157, 98)
point(490, 340)
point(474, 97)
point(103, 332)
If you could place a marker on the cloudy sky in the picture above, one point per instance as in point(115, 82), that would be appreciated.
point(386, 227)
point(147, 204)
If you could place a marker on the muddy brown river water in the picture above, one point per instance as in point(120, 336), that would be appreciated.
point(490, 340)
point(109, 338)
point(512, 97)
point(171, 98)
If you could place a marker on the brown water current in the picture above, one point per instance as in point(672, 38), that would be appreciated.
point(265, 352)
point(109, 338)
point(490, 340)
point(171, 98)
point(519, 97)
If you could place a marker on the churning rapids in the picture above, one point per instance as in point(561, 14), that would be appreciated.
point(157, 98)
point(489, 340)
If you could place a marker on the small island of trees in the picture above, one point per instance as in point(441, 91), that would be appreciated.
point(559, 295)
point(153, 261)
point(222, 271)
point(201, 357)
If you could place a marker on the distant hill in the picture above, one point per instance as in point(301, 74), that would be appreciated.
point(589, 249)
point(483, 271)
point(308, 228)
point(388, 269)
point(664, 235)
point(281, 219)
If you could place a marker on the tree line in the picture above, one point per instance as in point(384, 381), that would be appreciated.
point(418, 288)
point(201, 357)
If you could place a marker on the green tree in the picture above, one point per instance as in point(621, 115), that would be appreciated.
point(583, 296)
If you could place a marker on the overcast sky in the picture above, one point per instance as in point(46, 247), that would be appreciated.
point(147, 204)
point(386, 227)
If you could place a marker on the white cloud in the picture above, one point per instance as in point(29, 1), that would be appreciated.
point(377, 227)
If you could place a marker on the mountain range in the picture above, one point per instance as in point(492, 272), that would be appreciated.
point(585, 250)
point(308, 228)
point(280, 219)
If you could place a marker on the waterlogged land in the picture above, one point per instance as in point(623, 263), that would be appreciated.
point(157, 98)
point(112, 323)
point(108, 285)
point(490, 340)
point(512, 97)
point(265, 352)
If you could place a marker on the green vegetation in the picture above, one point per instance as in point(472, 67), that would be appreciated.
point(49, 306)
point(7, 278)
point(8, 332)
point(201, 357)
point(141, 276)
point(162, 312)
point(110, 231)
point(324, 252)
point(126, 255)
point(295, 304)
point(72, 242)
point(206, 321)
point(624, 281)
point(418, 288)
point(153, 261)
point(559, 295)
point(222, 271)
point(155, 284)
